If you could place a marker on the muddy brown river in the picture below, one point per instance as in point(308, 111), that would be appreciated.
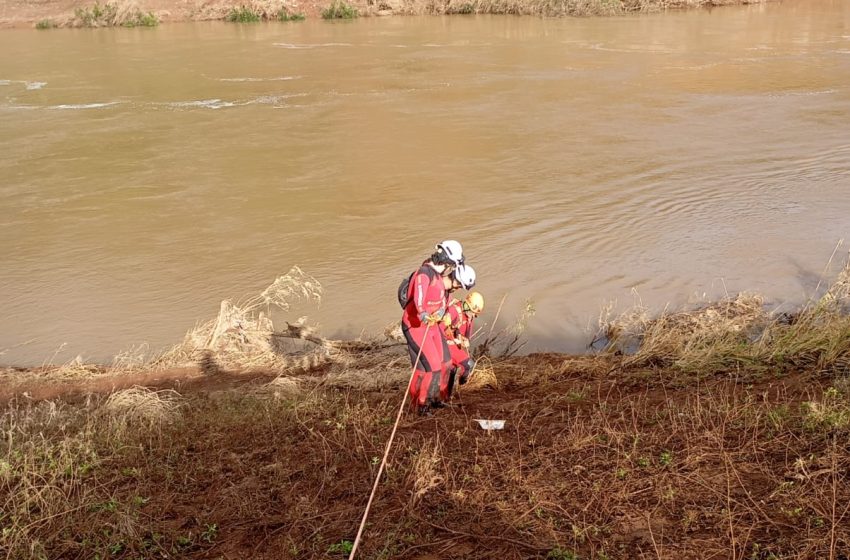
point(146, 174)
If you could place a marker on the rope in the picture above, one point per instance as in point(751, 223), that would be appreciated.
point(387, 450)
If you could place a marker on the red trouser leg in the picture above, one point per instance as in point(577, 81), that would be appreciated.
point(451, 371)
point(445, 366)
point(459, 355)
point(427, 345)
point(415, 387)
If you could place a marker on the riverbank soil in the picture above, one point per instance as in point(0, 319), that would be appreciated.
point(597, 459)
point(61, 13)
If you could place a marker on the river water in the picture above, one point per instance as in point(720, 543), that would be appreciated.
point(146, 174)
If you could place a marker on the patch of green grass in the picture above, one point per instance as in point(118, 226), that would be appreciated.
point(778, 416)
point(575, 396)
point(110, 505)
point(339, 9)
point(130, 472)
point(184, 541)
point(285, 15)
point(342, 547)
point(45, 24)
point(666, 458)
point(210, 532)
point(139, 501)
point(559, 553)
point(242, 14)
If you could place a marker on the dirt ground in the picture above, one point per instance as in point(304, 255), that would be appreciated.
point(595, 461)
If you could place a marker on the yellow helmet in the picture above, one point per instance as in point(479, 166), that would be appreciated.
point(474, 302)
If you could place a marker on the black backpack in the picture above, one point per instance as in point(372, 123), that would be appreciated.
point(404, 295)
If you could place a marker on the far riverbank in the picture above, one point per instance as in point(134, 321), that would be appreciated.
point(83, 13)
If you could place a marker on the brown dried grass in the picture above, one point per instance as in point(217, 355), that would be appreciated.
point(141, 406)
point(425, 475)
point(242, 334)
point(737, 333)
point(482, 377)
point(281, 387)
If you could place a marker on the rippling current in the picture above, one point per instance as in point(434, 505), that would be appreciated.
point(146, 174)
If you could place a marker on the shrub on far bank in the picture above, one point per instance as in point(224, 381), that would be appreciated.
point(285, 15)
point(243, 14)
point(45, 24)
point(246, 14)
point(339, 9)
point(463, 9)
point(141, 19)
point(110, 15)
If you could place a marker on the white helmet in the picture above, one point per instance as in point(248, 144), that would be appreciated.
point(465, 275)
point(452, 250)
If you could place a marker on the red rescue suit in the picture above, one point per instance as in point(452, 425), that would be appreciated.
point(457, 334)
point(427, 295)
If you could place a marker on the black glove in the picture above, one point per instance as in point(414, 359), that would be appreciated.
point(470, 365)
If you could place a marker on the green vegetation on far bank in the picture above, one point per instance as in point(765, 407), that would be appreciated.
point(245, 14)
point(339, 9)
point(112, 15)
point(117, 13)
point(285, 15)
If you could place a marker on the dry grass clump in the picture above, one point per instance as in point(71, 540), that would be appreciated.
point(281, 387)
point(131, 359)
point(146, 406)
point(44, 460)
point(483, 376)
point(817, 337)
point(738, 332)
point(831, 413)
point(243, 333)
point(424, 476)
point(710, 336)
point(74, 369)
